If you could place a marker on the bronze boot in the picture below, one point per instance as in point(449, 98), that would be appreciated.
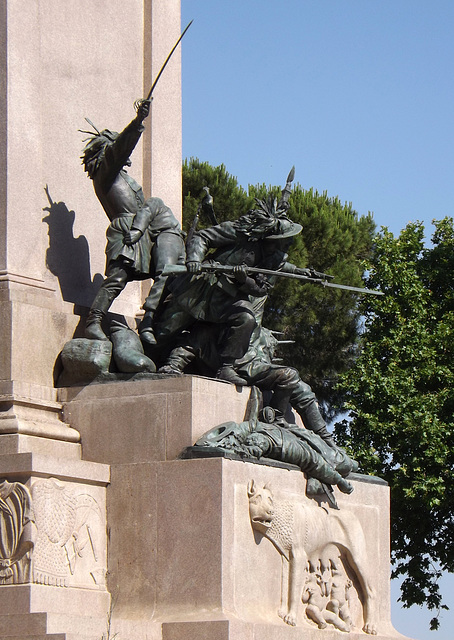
point(93, 328)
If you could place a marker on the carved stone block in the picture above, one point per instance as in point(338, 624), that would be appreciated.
point(320, 548)
point(17, 532)
point(69, 549)
point(53, 544)
point(212, 572)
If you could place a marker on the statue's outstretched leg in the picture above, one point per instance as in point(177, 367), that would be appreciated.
point(115, 282)
point(317, 467)
point(177, 361)
point(227, 373)
point(93, 324)
point(240, 322)
point(168, 249)
point(312, 419)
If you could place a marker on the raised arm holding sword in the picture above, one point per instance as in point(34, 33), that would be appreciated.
point(143, 236)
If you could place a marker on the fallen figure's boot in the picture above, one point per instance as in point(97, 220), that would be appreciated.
point(227, 373)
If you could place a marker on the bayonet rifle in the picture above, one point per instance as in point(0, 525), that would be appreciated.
point(316, 277)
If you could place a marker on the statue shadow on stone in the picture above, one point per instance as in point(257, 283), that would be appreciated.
point(68, 257)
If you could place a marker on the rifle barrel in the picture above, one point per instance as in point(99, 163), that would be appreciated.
point(177, 269)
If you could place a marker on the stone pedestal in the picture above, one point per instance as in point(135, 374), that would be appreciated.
point(198, 567)
point(184, 559)
point(141, 421)
point(64, 590)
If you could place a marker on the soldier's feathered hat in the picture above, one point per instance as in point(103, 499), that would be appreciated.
point(269, 219)
point(285, 228)
point(94, 150)
point(262, 222)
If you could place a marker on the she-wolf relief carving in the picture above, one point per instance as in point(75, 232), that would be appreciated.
point(17, 532)
point(68, 551)
point(324, 557)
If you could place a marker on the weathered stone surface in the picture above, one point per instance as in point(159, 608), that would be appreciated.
point(145, 420)
point(208, 573)
point(183, 558)
point(325, 561)
point(64, 523)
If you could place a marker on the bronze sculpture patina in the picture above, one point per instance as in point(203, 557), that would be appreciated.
point(198, 347)
point(212, 322)
point(230, 269)
point(268, 435)
point(259, 239)
point(143, 235)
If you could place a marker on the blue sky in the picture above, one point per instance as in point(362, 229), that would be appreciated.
point(357, 94)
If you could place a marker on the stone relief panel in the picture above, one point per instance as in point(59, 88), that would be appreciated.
point(325, 574)
point(70, 546)
point(18, 532)
point(327, 592)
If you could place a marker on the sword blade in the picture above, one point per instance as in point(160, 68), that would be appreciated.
point(166, 61)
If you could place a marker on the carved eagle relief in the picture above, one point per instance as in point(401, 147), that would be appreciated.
point(64, 534)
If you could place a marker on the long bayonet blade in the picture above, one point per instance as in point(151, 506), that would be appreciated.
point(177, 269)
point(348, 288)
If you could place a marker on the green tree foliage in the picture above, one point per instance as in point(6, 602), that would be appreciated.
point(230, 200)
point(401, 395)
point(324, 323)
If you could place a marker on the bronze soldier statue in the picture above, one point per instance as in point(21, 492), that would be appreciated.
point(143, 236)
point(259, 238)
point(198, 348)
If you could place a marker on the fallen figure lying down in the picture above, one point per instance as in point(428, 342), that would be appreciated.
point(272, 437)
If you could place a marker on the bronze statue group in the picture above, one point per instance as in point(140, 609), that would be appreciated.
point(208, 319)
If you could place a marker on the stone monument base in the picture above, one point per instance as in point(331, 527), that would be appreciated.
point(41, 611)
point(200, 549)
point(198, 568)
